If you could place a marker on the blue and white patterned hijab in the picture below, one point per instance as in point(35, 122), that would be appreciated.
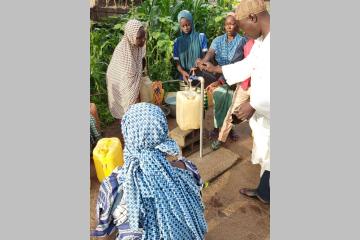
point(165, 197)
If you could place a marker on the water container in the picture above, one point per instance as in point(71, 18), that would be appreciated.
point(146, 90)
point(183, 86)
point(188, 104)
point(107, 155)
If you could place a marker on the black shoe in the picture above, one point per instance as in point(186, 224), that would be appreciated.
point(252, 193)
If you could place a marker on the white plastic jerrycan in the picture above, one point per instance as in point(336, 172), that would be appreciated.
point(188, 107)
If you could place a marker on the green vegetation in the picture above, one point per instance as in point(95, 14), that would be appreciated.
point(162, 29)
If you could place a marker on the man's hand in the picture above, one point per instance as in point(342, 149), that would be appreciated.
point(245, 111)
point(209, 67)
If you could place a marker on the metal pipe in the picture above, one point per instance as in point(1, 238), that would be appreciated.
point(169, 81)
point(202, 81)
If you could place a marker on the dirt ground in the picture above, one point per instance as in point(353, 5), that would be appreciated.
point(229, 215)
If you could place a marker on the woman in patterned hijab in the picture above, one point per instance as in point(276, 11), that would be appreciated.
point(150, 197)
point(124, 71)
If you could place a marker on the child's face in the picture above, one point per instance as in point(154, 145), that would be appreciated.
point(141, 37)
point(185, 26)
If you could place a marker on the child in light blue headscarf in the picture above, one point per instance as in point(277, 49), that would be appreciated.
point(189, 46)
point(148, 198)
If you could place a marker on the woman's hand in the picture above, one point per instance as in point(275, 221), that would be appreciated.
point(178, 164)
point(209, 67)
point(211, 88)
point(198, 62)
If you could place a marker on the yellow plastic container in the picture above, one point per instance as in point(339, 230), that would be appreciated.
point(188, 104)
point(107, 155)
point(146, 91)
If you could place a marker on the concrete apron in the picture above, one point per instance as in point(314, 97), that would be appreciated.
point(214, 163)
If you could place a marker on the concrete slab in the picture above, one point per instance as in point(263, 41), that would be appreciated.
point(214, 163)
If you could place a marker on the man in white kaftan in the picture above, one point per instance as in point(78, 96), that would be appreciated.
point(253, 18)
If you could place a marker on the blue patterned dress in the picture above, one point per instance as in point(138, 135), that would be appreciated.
point(148, 198)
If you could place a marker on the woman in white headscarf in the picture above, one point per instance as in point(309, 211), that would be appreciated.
point(125, 69)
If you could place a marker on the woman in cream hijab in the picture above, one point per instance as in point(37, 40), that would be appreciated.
point(125, 69)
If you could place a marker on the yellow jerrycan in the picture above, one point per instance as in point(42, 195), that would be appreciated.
point(188, 106)
point(107, 155)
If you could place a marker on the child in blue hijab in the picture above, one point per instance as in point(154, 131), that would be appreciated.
point(189, 46)
point(150, 198)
